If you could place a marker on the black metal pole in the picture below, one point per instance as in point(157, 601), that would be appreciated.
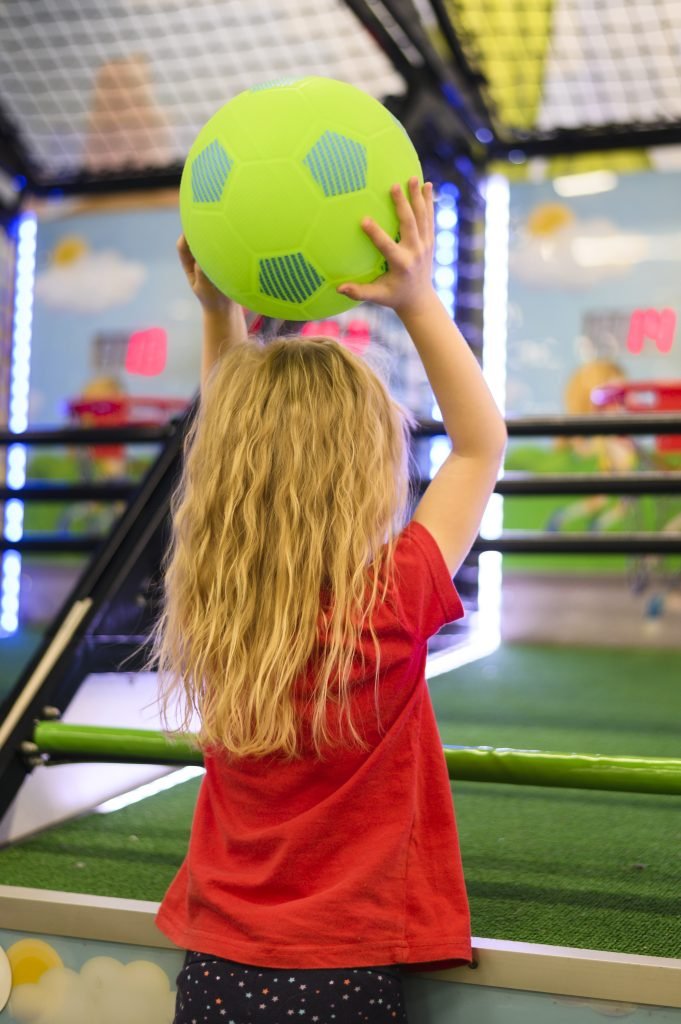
point(537, 543)
point(526, 426)
point(589, 483)
point(574, 426)
point(581, 483)
point(511, 542)
point(141, 434)
point(54, 544)
point(48, 491)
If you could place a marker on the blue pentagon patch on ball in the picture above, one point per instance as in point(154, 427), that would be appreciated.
point(337, 164)
point(290, 278)
point(210, 171)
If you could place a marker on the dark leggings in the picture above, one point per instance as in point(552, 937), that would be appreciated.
point(211, 990)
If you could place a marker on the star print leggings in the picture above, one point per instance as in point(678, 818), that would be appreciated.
point(211, 990)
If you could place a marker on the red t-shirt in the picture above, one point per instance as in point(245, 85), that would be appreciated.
point(349, 862)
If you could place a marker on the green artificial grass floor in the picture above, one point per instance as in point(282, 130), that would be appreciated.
point(586, 869)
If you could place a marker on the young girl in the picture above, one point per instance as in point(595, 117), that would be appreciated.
point(298, 608)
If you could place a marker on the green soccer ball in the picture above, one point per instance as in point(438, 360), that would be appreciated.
point(275, 187)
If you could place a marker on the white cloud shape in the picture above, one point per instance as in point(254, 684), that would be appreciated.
point(542, 354)
point(105, 991)
point(93, 282)
point(578, 255)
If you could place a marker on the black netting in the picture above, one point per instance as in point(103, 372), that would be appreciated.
point(574, 64)
point(101, 85)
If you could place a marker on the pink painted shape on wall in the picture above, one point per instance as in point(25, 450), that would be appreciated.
point(635, 335)
point(656, 325)
point(147, 352)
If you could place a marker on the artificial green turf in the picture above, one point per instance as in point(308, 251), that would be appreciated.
point(133, 853)
point(566, 867)
point(600, 700)
point(588, 869)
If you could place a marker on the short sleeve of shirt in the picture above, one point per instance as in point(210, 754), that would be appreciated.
point(426, 595)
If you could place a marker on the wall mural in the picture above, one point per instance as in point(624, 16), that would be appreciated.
point(594, 299)
point(52, 982)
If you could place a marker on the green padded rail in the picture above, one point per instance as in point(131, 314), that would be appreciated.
point(661, 775)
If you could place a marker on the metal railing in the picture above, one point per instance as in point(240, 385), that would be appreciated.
point(511, 484)
point(55, 743)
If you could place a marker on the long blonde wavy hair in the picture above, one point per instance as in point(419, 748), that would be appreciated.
point(295, 485)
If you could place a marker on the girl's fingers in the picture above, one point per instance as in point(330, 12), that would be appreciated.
point(405, 213)
point(418, 206)
point(186, 258)
point(429, 203)
point(386, 245)
point(350, 290)
point(361, 292)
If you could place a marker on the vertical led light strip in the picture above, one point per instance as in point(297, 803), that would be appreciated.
point(10, 577)
point(446, 244)
point(495, 325)
point(485, 633)
point(495, 317)
point(495, 294)
point(445, 279)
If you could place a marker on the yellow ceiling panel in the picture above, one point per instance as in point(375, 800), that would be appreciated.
point(507, 41)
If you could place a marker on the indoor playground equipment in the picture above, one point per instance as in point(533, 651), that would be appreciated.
point(578, 915)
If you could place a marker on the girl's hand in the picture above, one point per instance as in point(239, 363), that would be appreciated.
point(406, 286)
point(210, 297)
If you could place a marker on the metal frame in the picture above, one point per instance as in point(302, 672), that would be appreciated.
point(510, 484)
point(459, 90)
point(585, 140)
point(14, 157)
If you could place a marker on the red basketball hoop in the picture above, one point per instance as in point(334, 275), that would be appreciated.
point(646, 396)
point(122, 410)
